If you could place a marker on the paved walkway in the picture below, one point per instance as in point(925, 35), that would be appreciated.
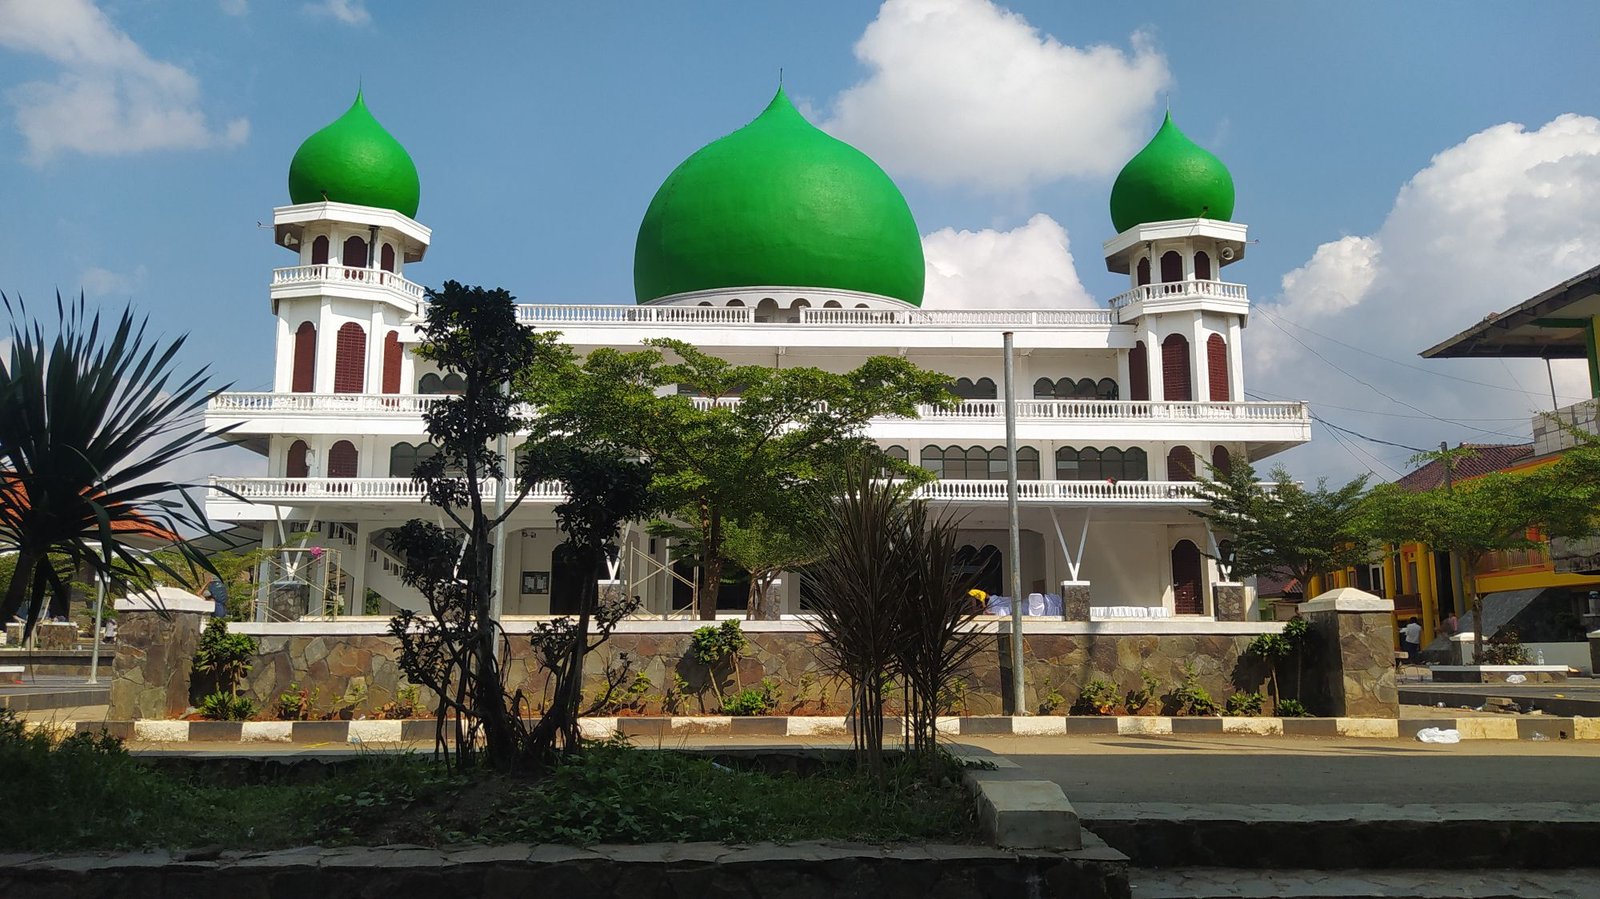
point(1233, 883)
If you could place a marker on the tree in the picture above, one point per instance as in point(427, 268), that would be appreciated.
point(456, 649)
point(1498, 511)
point(1284, 529)
point(732, 441)
point(88, 422)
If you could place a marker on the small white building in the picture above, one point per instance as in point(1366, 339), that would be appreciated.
point(780, 245)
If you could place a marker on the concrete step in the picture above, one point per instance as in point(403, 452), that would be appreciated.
point(1237, 883)
point(1524, 836)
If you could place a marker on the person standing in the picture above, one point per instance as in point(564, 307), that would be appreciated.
point(1411, 639)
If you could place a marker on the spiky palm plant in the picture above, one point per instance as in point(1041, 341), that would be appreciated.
point(88, 419)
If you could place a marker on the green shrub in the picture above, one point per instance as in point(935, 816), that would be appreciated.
point(1292, 708)
point(753, 701)
point(407, 703)
point(712, 646)
point(296, 703)
point(223, 656)
point(1051, 698)
point(221, 706)
point(1098, 697)
point(1138, 699)
point(1505, 648)
point(1245, 705)
point(1189, 698)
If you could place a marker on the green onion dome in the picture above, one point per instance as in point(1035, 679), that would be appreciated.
point(354, 160)
point(779, 203)
point(1171, 178)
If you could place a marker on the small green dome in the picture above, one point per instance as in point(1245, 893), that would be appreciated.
point(354, 160)
point(1171, 178)
point(778, 203)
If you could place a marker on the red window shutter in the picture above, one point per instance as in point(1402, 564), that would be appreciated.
point(1139, 373)
point(296, 466)
point(1180, 464)
point(350, 359)
point(355, 253)
point(386, 258)
point(1175, 369)
point(304, 377)
point(343, 460)
point(319, 251)
point(1217, 367)
point(391, 362)
point(1186, 579)
point(1202, 267)
point(1144, 270)
point(1221, 461)
point(1171, 267)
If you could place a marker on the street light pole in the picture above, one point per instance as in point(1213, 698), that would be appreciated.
point(1018, 691)
point(99, 607)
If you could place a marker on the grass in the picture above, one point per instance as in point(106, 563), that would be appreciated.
point(84, 793)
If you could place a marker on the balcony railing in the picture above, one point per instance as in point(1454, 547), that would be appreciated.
point(339, 274)
point(312, 490)
point(1177, 290)
point(562, 314)
point(1130, 411)
point(337, 489)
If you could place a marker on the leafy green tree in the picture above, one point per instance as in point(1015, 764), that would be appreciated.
point(732, 441)
point(766, 547)
point(1282, 528)
point(88, 421)
point(1498, 511)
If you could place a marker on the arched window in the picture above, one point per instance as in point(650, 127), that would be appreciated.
point(1180, 464)
point(1094, 464)
point(1105, 389)
point(1044, 389)
point(1085, 389)
point(303, 378)
point(1221, 462)
point(319, 250)
point(736, 303)
point(1171, 267)
point(454, 384)
point(342, 460)
point(1175, 369)
point(1217, 368)
point(1186, 598)
point(391, 362)
point(386, 258)
point(981, 389)
point(404, 458)
point(1144, 270)
point(976, 463)
point(1139, 372)
point(350, 359)
point(296, 465)
point(833, 304)
point(355, 253)
point(430, 383)
point(1136, 464)
point(1202, 266)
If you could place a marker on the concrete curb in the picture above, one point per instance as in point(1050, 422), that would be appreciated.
point(421, 730)
point(1023, 814)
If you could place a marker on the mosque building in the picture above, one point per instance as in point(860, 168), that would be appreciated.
point(781, 245)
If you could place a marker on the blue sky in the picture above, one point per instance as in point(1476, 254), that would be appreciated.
point(142, 141)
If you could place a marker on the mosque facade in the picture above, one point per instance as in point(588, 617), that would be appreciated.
point(781, 245)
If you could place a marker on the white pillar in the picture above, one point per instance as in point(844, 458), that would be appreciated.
point(1235, 360)
point(1152, 362)
point(1124, 380)
point(357, 568)
point(327, 347)
point(283, 367)
point(1199, 383)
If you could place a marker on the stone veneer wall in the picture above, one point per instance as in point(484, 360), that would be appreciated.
point(1351, 664)
point(150, 672)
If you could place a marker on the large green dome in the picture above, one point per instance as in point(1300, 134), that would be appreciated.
point(354, 160)
point(1171, 178)
point(778, 203)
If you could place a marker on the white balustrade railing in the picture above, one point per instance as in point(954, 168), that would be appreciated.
point(1128, 411)
point(1066, 491)
point(300, 490)
point(1180, 290)
point(301, 274)
point(317, 489)
point(322, 403)
point(563, 314)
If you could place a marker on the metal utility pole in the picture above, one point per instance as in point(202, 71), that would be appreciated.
point(503, 450)
point(99, 606)
point(1457, 600)
point(1018, 693)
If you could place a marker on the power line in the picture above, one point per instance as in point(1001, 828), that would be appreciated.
point(1308, 348)
point(1278, 316)
point(1279, 396)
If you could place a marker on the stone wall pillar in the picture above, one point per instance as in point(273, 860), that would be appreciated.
point(1350, 669)
point(1230, 601)
point(1594, 652)
point(1075, 600)
point(155, 650)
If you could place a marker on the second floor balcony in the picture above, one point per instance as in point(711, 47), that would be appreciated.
point(1174, 296)
point(339, 280)
point(1082, 420)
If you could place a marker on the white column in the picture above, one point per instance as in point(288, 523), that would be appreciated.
point(1200, 384)
point(1235, 359)
point(1152, 362)
point(357, 568)
point(327, 347)
point(283, 364)
point(1124, 380)
point(376, 332)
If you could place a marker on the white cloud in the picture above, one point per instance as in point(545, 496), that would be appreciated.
point(234, 7)
point(103, 284)
point(350, 12)
point(1029, 267)
point(1488, 223)
point(965, 92)
point(111, 97)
